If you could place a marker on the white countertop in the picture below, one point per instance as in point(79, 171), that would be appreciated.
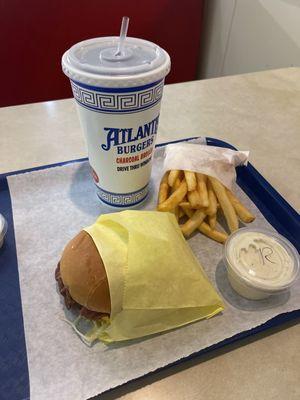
point(259, 112)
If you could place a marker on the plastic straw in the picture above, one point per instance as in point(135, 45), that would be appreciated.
point(123, 33)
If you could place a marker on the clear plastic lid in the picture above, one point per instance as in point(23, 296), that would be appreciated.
point(99, 56)
point(99, 59)
point(262, 258)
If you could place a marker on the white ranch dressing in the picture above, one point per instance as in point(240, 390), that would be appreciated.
point(261, 260)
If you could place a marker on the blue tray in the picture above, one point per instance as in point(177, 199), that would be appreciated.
point(14, 379)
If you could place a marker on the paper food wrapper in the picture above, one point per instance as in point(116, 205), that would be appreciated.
point(156, 283)
point(217, 162)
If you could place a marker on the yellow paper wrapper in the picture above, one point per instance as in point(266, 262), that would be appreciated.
point(156, 283)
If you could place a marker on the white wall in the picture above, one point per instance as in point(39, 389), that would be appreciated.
point(243, 36)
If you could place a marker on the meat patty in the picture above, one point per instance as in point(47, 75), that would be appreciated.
point(71, 303)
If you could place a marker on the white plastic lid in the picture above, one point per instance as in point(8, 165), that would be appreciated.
point(266, 248)
point(95, 62)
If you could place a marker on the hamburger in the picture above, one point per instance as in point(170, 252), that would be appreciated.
point(82, 279)
point(131, 274)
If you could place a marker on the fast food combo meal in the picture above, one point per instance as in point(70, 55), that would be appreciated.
point(132, 273)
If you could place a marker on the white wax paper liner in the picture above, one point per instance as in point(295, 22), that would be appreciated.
point(61, 201)
point(218, 162)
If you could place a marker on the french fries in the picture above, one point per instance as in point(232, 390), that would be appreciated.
point(212, 220)
point(191, 181)
point(173, 175)
point(212, 233)
point(176, 185)
point(175, 198)
point(193, 223)
point(225, 204)
point(196, 198)
point(186, 204)
point(212, 200)
point(202, 189)
point(163, 189)
point(206, 229)
point(242, 212)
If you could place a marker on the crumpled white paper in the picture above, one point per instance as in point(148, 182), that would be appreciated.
point(218, 162)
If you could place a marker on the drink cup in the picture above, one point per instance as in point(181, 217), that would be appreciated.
point(118, 95)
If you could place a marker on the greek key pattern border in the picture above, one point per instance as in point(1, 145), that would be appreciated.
point(118, 102)
point(122, 200)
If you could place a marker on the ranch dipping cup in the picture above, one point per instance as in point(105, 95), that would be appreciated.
point(117, 83)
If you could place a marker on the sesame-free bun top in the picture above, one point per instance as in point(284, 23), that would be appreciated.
point(83, 273)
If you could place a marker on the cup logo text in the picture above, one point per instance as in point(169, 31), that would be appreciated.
point(117, 137)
